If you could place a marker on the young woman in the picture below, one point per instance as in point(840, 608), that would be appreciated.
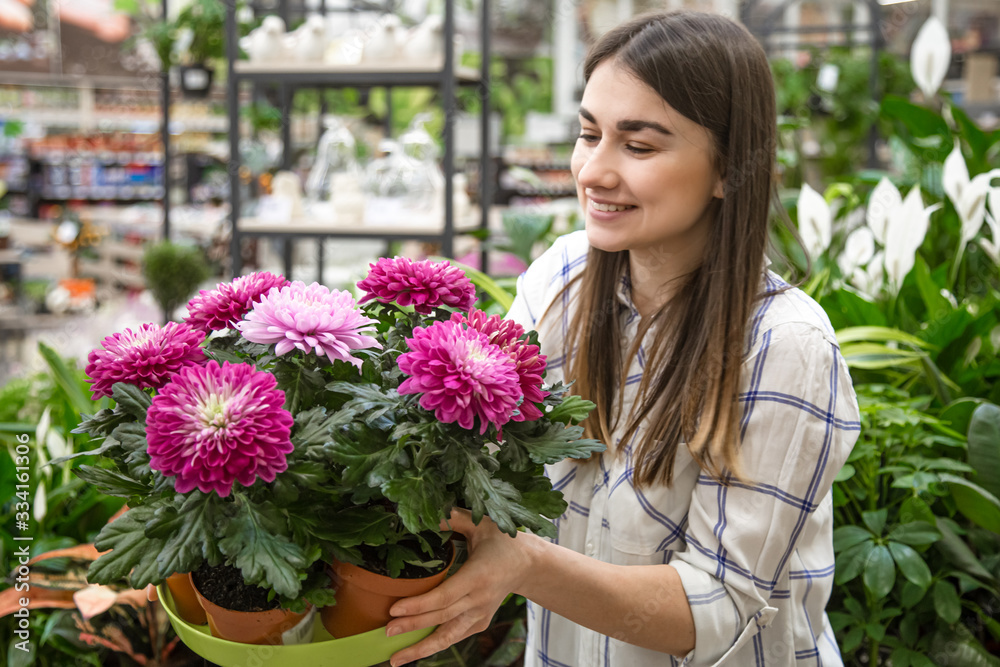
point(703, 535)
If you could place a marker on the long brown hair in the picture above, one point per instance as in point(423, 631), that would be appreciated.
point(712, 71)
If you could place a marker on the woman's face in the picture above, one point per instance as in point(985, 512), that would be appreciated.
point(644, 173)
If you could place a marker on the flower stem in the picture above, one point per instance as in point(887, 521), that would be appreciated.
point(954, 267)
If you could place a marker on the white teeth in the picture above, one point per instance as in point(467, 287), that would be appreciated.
point(609, 207)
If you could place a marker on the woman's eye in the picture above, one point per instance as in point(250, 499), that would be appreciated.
point(639, 150)
point(589, 138)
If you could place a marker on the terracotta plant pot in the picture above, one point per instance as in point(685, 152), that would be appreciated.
point(185, 599)
point(364, 598)
point(275, 627)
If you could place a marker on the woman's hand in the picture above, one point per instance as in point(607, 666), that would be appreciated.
point(465, 603)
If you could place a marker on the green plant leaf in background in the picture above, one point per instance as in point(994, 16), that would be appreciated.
point(880, 572)
point(984, 446)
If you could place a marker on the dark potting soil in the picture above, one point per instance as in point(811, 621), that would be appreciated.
point(224, 586)
point(442, 552)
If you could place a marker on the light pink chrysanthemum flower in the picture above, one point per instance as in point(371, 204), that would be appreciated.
point(214, 425)
point(425, 285)
point(217, 309)
point(530, 364)
point(146, 357)
point(460, 375)
point(310, 318)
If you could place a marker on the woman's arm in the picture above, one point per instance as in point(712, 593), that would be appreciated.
point(632, 604)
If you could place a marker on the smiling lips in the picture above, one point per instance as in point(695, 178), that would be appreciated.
point(609, 207)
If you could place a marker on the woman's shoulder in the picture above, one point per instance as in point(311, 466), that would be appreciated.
point(788, 310)
point(547, 277)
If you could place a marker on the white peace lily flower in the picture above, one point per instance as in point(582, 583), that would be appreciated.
point(968, 195)
point(884, 200)
point(858, 250)
point(995, 338)
point(815, 221)
point(41, 436)
point(994, 199)
point(992, 248)
point(904, 233)
point(973, 350)
point(41, 506)
point(930, 56)
point(869, 280)
point(57, 445)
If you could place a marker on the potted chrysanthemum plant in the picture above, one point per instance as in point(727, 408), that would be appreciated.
point(217, 439)
point(449, 410)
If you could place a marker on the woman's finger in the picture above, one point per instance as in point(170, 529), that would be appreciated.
point(436, 616)
point(446, 635)
point(460, 521)
point(442, 597)
point(151, 593)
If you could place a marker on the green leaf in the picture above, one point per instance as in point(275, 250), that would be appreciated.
point(131, 551)
point(256, 544)
point(874, 356)
point(846, 537)
point(851, 562)
point(853, 639)
point(955, 646)
point(875, 520)
point(946, 602)
point(188, 534)
point(315, 427)
point(131, 400)
point(105, 449)
point(958, 553)
point(862, 334)
point(358, 525)
point(976, 503)
point(875, 630)
point(984, 446)
point(504, 298)
point(100, 424)
point(911, 595)
point(937, 305)
point(919, 121)
point(915, 509)
point(845, 473)
point(488, 496)
point(915, 533)
point(910, 564)
point(110, 482)
point(551, 443)
point(420, 499)
point(957, 415)
point(880, 572)
point(572, 410)
point(66, 381)
point(547, 503)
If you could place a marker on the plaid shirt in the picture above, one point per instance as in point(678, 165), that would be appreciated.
point(755, 559)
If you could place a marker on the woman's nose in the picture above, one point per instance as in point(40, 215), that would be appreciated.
point(598, 170)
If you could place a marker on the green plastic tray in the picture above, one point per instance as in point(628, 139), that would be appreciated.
point(364, 650)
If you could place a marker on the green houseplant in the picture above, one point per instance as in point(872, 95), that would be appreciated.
point(201, 29)
point(173, 272)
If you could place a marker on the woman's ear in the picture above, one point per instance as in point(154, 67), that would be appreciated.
point(720, 188)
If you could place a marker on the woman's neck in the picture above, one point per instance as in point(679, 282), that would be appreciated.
point(656, 275)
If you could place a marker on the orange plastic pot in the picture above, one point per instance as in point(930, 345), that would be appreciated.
point(275, 627)
point(364, 598)
point(185, 599)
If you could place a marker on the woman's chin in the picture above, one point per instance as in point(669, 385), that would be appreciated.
point(601, 239)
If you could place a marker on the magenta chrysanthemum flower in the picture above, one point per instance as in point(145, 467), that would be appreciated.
point(312, 319)
point(530, 364)
point(213, 425)
point(424, 285)
point(213, 310)
point(460, 375)
point(147, 357)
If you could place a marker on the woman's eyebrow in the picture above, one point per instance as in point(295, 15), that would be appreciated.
point(630, 125)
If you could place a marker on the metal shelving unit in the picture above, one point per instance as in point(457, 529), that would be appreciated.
point(444, 79)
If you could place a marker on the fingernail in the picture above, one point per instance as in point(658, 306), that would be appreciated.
point(391, 631)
